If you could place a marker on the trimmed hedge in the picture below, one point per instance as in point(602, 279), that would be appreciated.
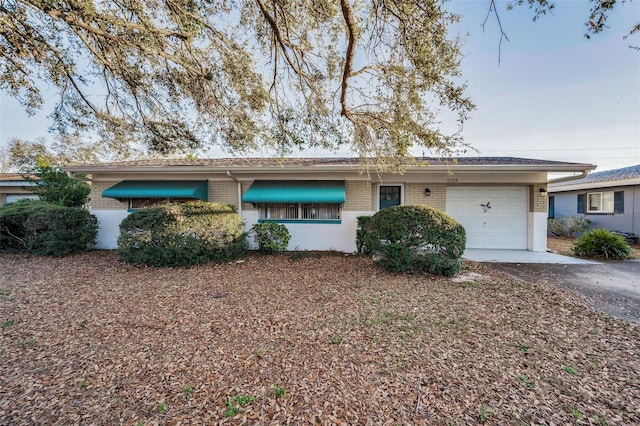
point(182, 234)
point(46, 229)
point(271, 236)
point(602, 243)
point(415, 239)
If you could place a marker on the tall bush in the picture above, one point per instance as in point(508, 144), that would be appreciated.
point(55, 187)
point(46, 229)
point(415, 239)
point(182, 234)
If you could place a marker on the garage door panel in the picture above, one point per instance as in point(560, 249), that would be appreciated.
point(503, 225)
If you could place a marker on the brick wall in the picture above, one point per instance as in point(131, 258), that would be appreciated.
point(223, 192)
point(99, 203)
point(414, 194)
point(538, 200)
point(358, 195)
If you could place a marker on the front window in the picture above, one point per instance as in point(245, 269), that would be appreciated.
point(600, 202)
point(299, 212)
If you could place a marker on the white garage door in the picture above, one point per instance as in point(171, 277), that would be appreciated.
point(494, 217)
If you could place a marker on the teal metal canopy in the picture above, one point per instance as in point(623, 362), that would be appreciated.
point(157, 189)
point(303, 191)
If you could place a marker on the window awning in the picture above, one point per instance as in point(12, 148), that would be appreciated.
point(304, 191)
point(157, 189)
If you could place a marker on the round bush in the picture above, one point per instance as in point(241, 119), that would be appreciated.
point(271, 236)
point(601, 243)
point(182, 234)
point(46, 229)
point(415, 239)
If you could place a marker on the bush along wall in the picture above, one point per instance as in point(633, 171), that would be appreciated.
point(46, 229)
point(182, 234)
point(271, 236)
point(415, 239)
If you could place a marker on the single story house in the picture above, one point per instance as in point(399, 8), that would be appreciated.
point(609, 199)
point(13, 187)
point(501, 202)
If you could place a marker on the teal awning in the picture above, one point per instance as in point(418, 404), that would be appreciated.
point(292, 191)
point(157, 189)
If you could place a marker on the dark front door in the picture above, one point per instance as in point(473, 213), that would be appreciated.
point(389, 196)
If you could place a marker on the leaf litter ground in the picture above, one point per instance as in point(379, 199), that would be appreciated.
point(302, 339)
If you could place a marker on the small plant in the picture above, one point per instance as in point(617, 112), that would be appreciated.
point(6, 324)
point(522, 347)
point(271, 236)
point(84, 384)
point(259, 353)
point(569, 369)
point(484, 413)
point(577, 414)
point(335, 339)
point(235, 404)
point(601, 243)
point(527, 382)
point(28, 343)
point(186, 391)
point(161, 408)
point(279, 392)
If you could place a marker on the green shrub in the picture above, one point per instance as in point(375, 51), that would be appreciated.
point(415, 239)
point(46, 229)
point(271, 236)
point(55, 187)
point(567, 226)
point(601, 243)
point(182, 234)
point(361, 234)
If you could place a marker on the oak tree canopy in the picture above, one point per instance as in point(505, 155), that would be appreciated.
point(177, 76)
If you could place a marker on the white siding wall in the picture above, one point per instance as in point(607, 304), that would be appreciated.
point(109, 222)
point(310, 236)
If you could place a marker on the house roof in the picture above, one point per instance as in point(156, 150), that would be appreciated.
point(607, 178)
point(256, 163)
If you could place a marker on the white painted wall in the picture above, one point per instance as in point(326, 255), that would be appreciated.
point(109, 227)
point(537, 231)
point(310, 236)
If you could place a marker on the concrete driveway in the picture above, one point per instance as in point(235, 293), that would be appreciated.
point(611, 287)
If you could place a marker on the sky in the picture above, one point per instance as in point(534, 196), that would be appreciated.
point(548, 92)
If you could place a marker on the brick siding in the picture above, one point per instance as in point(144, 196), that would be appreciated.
point(358, 195)
point(414, 194)
point(99, 203)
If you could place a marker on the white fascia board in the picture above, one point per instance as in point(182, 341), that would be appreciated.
point(594, 185)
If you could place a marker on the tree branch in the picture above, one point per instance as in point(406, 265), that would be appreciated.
point(349, 55)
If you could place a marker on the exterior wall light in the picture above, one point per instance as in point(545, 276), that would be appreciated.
point(427, 192)
point(543, 190)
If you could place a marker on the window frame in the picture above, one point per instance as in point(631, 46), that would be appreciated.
point(602, 202)
point(265, 212)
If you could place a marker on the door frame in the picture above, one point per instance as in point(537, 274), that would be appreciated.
point(400, 184)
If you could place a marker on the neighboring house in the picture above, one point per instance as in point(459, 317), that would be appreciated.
point(13, 187)
point(609, 199)
point(501, 202)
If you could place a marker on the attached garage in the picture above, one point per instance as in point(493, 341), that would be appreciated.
point(495, 217)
